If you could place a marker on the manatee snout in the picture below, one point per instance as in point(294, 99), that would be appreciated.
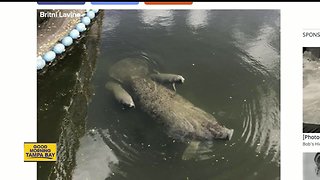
point(129, 103)
point(229, 134)
point(221, 133)
point(179, 79)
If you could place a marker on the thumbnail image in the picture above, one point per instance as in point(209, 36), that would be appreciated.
point(311, 166)
point(159, 94)
point(311, 90)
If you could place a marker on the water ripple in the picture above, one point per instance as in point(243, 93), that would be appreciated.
point(261, 124)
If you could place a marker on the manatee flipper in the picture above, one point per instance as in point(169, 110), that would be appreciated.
point(120, 94)
point(174, 86)
point(191, 151)
point(168, 79)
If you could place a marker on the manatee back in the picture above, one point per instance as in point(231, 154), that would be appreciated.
point(183, 119)
point(128, 68)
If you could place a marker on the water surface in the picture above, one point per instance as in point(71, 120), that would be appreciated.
point(231, 62)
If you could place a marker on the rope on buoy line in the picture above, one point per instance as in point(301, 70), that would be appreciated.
point(60, 46)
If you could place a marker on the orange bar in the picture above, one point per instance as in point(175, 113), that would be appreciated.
point(168, 3)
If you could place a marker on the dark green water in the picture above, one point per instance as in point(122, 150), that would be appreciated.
point(231, 63)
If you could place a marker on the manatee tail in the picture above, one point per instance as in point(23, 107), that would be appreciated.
point(191, 151)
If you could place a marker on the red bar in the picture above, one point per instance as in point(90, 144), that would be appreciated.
point(168, 3)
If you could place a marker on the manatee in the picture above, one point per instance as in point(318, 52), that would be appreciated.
point(168, 78)
point(183, 120)
point(121, 95)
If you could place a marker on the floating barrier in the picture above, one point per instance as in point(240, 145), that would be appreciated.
point(40, 63)
point(60, 47)
point(74, 34)
point(67, 41)
point(86, 20)
point(91, 14)
point(81, 27)
point(49, 56)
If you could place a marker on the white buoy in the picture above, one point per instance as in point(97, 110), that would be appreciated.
point(86, 20)
point(49, 56)
point(40, 63)
point(81, 27)
point(67, 41)
point(91, 14)
point(59, 48)
point(74, 34)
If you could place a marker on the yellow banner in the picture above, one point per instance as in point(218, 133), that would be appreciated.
point(40, 152)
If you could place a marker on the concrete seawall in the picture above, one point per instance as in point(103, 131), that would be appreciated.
point(50, 30)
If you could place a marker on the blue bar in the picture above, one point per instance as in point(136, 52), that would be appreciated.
point(114, 3)
point(61, 3)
